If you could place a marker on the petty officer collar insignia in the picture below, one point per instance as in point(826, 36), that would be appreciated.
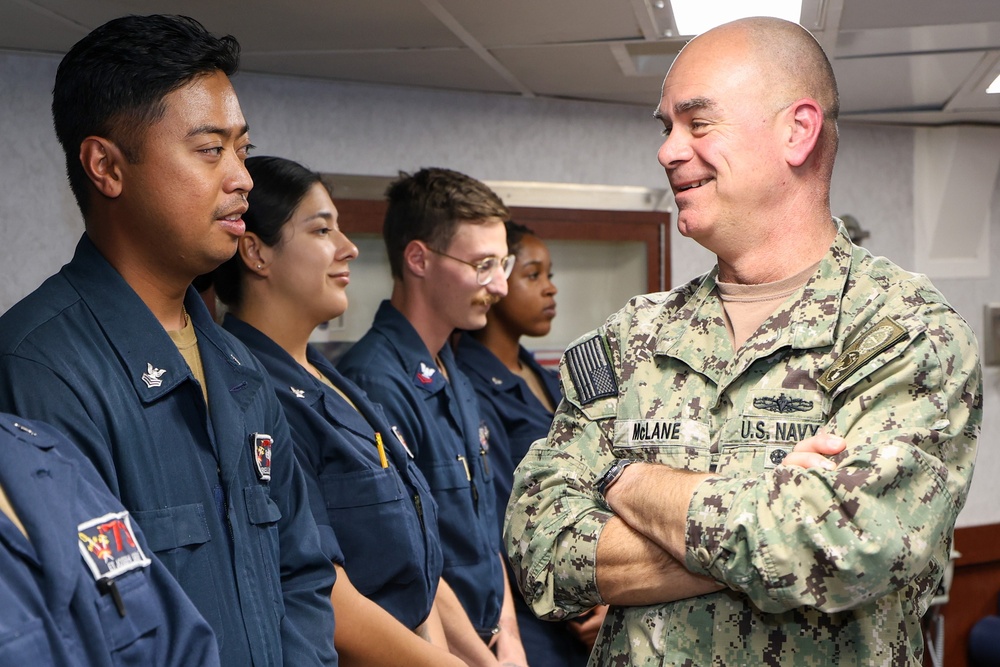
point(426, 374)
point(152, 376)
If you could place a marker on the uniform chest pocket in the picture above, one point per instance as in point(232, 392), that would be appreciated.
point(176, 535)
point(680, 443)
point(359, 488)
point(174, 527)
point(25, 644)
point(260, 508)
point(459, 526)
point(444, 476)
point(363, 507)
point(769, 426)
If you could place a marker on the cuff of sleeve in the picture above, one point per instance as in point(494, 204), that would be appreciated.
point(709, 525)
point(329, 545)
point(572, 556)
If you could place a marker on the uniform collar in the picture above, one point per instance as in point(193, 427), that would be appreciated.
point(285, 372)
point(418, 363)
point(288, 374)
point(477, 360)
point(809, 321)
point(152, 361)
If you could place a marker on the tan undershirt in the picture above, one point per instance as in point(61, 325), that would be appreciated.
point(534, 383)
point(8, 509)
point(325, 380)
point(186, 341)
point(748, 306)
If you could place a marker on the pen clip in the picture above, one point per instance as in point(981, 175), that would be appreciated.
point(108, 585)
point(465, 464)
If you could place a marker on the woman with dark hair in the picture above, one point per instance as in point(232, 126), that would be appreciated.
point(517, 397)
point(376, 515)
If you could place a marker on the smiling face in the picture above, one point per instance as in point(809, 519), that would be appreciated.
point(455, 296)
point(722, 152)
point(308, 269)
point(182, 200)
point(530, 304)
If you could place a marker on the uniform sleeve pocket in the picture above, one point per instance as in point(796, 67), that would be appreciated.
point(359, 489)
point(174, 527)
point(260, 508)
point(141, 619)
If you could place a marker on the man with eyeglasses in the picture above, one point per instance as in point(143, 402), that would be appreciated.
point(446, 241)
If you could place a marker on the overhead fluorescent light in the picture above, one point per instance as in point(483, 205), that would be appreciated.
point(994, 87)
point(693, 17)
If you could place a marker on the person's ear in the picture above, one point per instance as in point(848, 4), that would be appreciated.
point(415, 256)
point(805, 124)
point(255, 254)
point(102, 161)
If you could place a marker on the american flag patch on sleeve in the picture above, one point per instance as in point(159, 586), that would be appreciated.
point(589, 368)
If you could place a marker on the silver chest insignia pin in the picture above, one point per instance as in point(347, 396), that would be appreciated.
point(152, 376)
point(402, 441)
point(299, 393)
point(261, 443)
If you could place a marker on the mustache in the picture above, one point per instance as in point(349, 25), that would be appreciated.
point(487, 300)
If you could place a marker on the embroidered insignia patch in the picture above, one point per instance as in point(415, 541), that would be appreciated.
point(782, 404)
point(261, 443)
point(426, 374)
point(589, 367)
point(775, 455)
point(152, 376)
point(109, 547)
point(887, 332)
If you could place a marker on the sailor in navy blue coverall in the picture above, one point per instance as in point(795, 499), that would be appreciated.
point(516, 419)
point(79, 588)
point(84, 353)
point(513, 415)
point(441, 423)
point(379, 522)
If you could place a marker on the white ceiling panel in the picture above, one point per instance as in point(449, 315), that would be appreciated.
point(586, 72)
point(545, 22)
point(899, 83)
point(867, 14)
point(453, 69)
point(923, 39)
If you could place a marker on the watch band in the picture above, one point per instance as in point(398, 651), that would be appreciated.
point(611, 475)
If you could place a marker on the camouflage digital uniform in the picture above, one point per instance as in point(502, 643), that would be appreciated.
point(820, 567)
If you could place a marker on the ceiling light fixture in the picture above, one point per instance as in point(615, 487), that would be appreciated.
point(693, 17)
point(994, 88)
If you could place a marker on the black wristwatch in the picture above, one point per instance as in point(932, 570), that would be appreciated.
point(611, 475)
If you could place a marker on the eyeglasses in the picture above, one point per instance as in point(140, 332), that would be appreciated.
point(485, 268)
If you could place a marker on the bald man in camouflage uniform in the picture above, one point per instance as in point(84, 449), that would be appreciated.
point(712, 549)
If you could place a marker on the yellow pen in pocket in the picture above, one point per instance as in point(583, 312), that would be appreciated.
point(381, 450)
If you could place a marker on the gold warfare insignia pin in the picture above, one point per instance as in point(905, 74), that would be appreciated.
point(879, 337)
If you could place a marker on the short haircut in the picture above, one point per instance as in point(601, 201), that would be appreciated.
point(279, 187)
point(515, 235)
point(429, 205)
point(112, 82)
point(795, 66)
